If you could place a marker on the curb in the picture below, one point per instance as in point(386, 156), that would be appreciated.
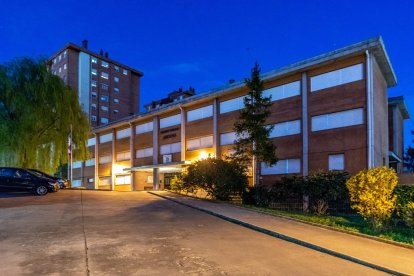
point(286, 238)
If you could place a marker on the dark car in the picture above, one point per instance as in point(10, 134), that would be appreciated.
point(16, 179)
point(63, 183)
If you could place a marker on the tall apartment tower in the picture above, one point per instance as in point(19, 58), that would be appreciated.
point(108, 90)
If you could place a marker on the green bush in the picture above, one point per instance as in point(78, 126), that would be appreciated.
point(328, 186)
point(219, 178)
point(405, 195)
point(409, 214)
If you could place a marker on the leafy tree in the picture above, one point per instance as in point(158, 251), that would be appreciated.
point(409, 159)
point(253, 143)
point(36, 112)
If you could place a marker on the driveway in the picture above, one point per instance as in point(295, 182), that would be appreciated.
point(135, 233)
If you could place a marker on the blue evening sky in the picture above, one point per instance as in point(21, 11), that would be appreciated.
point(182, 43)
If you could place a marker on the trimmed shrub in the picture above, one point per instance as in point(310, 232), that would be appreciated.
point(409, 214)
point(371, 194)
point(220, 179)
point(405, 195)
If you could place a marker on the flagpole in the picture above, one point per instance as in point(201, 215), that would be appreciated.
point(71, 157)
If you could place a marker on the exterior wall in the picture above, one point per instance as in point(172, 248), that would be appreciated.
point(396, 135)
point(381, 146)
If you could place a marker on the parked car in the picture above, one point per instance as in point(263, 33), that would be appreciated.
point(17, 179)
point(63, 183)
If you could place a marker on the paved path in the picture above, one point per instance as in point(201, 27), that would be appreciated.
point(374, 252)
point(136, 233)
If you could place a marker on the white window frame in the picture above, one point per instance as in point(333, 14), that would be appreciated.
point(328, 121)
point(200, 113)
point(337, 77)
point(145, 152)
point(170, 121)
point(144, 128)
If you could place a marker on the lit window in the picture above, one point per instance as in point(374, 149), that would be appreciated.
point(104, 75)
point(116, 90)
point(94, 72)
point(336, 162)
point(104, 120)
point(116, 68)
point(147, 152)
point(104, 108)
point(105, 159)
point(116, 101)
point(94, 60)
point(93, 83)
point(116, 79)
point(104, 64)
point(105, 98)
point(64, 66)
point(122, 156)
point(93, 118)
point(104, 86)
point(200, 143)
point(123, 180)
point(125, 72)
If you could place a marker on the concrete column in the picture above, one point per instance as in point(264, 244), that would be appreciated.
point(156, 178)
point(155, 147)
point(96, 177)
point(370, 111)
point(183, 142)
point(113, 160)
point(305, 135)
point(132, 151)
point(216, 141)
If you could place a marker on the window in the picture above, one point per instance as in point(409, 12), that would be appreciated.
point(337, 162)
point(286, 128)
point(91, 180)
point(116, 101)
point(116, 79)
point(76, 183)
point(144, 152)
point(104, 108)
point(105, 138)
point(170, 121)
point(116, 90)
point(104, 64)
point(337, 77)
point(65, 53)
point(90, 162)
point(231, 105)
point(142, 128)
point(93, 118)
point(91, 142)
point(116, 111)
point(60, 69)
point(105, 181)
point(122, 156)
point(104, 86)
point(93, 83)
point(339, 119)
point(104, 75)
point(77, 164)
point(93, 94)
point(105, 98)
point(60, 57)
point(94, 60)
point(116, 68)
point(64, 66)
point(170, 148)
point(123, 180)
point(227, 138)
point(105, 159)
point(283, 91)
point(125, 72)
point(104, 120)
point(123, 133)
point(200, 113)
point(200, 143)
point(94, 71)
point(54, 61)
point(282, 167)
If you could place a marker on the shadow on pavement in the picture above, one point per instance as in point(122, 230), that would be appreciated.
point(15, 194)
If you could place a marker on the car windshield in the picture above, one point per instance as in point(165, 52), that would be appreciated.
point(36, 173)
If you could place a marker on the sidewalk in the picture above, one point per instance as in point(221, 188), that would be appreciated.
point(347, 246)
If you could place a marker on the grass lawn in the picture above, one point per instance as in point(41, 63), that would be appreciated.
point(348, 222)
